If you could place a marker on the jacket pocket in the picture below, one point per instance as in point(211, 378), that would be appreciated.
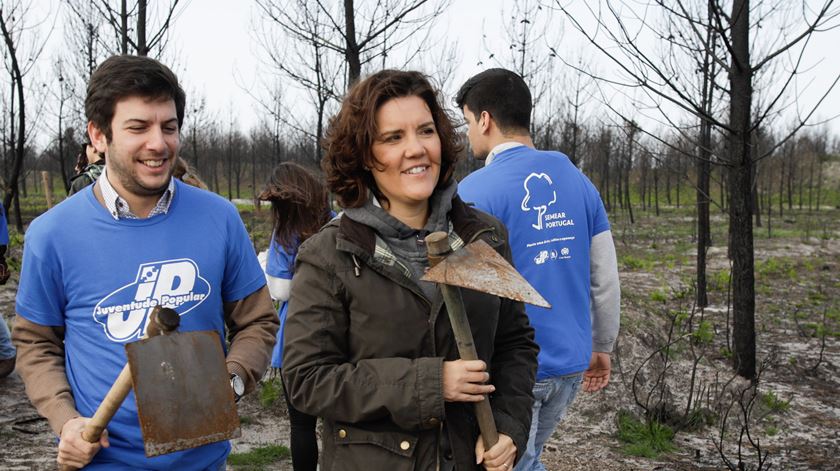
point(365, 450)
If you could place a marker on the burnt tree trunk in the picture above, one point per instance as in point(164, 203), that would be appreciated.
point(740, 192)
point(142, 47)
point(352, 53)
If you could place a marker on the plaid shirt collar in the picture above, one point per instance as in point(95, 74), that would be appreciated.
point(117, 205)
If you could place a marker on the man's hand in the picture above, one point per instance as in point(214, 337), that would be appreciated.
point(73, 450)
point(498, 458)
point(463, 381)
point(597, 376)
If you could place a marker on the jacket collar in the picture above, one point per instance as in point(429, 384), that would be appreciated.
point(360, 239)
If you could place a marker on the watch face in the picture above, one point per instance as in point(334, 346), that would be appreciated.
point(238, 385)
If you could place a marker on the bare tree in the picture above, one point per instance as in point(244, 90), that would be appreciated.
point(528, 36)
point(144, 39)
point(617, 36)
point(304, 60)
point(61, 93)
point(386, 26)
point(13, 26)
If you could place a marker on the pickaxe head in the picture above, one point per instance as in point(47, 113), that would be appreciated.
point(478, 267)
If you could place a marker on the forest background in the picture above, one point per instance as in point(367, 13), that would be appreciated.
point(707, 126)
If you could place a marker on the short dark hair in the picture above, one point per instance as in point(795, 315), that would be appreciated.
point(124, 76)
point(351, 133)
point(503, 94)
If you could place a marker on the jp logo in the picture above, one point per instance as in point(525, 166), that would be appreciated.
point(173, 283)
point(539, 195)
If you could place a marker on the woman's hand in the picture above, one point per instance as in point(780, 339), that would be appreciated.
point(463, 381)
point(498, 458)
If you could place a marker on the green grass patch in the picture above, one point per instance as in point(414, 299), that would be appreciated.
point(271, 392)
point(648, 440)
point(259, 458)
point(774, 403)
point(659, 296)
point(705, 333)
point(635, 263)
point(719, 281)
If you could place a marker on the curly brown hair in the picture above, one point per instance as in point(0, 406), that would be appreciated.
point(299, 204)
point(351, 133)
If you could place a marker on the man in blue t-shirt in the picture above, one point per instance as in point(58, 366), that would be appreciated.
point(561, 243)
point(7, 350)
point(95, 265)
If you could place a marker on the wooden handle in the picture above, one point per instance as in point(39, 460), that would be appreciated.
point(437, 247)
point(161, 320)
point(45, 181)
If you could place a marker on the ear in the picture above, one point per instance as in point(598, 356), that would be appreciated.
point(484, 121)
point(97, 137)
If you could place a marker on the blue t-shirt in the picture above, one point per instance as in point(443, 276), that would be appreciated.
point(280, 264)
point(4, 226)
point(99, 278)
point(551, 211)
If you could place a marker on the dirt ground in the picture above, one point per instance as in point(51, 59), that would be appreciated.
point(797, 284)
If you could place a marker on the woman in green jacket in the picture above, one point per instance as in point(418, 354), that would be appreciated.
point(368, 346)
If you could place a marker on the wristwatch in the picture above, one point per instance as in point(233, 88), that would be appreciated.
point(238, 387)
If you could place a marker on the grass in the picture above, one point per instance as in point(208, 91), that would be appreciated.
point(659, 296)
point(259, 458)
point(635, 263)
point(270, 392)
point(643, 439)
point(705, 333)
point(775, 403)
point(720, 280)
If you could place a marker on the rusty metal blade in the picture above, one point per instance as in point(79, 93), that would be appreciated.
point(183, 392)
point(478, 267)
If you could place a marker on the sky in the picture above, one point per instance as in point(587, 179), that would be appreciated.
point(216, 53)
point(222, 59)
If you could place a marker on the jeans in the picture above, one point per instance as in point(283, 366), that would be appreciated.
point(7, 350)
point(552, 396)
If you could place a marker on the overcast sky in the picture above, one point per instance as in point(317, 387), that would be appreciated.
point(219, 57)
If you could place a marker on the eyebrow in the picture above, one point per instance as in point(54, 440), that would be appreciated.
point(399, 130)
point(146, 121)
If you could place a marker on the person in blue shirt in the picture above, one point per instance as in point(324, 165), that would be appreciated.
point(96, 264)
point(7, 350)
point(299, 207)
point(561, 243)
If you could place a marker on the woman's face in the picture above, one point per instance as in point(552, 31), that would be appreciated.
point(407, 151)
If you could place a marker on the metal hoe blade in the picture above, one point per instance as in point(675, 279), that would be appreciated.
point(183, 392)
point(478, 267)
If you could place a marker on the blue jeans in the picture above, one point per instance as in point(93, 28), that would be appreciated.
point(552, 396)
point(7, 350)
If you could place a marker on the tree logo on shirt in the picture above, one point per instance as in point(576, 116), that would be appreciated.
point(539, 195)
point(172, 283)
